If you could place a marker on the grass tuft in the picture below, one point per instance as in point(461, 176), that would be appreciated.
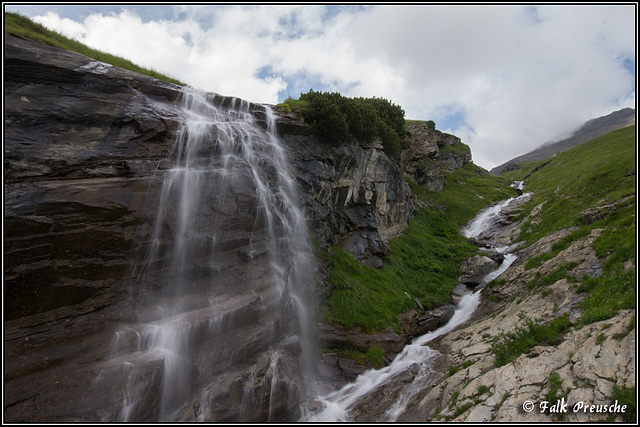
point(22, 26)
point(508, 346)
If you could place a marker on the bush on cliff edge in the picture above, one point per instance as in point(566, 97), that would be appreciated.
point(342, 119)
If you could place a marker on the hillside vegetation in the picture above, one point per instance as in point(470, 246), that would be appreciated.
point(590, 186)
point(340, 118)
point(590, 130)
point(22, 26)
point(425, 260)
point(560, 323)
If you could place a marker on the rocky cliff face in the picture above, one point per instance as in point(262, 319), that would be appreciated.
point(432, 154)
point(352, 193)
point(83, 144)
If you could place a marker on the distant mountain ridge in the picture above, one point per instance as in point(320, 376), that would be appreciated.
point(590, 130)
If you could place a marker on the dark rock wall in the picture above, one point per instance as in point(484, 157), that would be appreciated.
point(352, 193)
point(83, 142)
point(79, 153)
point(431, 154)
point(80, 149)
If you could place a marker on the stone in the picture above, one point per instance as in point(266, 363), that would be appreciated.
point(426, 161)
point(476, 268)
point(433, 319)
point(327, 371)
point(334, 336)
point(480, 413)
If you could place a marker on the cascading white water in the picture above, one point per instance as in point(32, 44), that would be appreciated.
point(229, 187)
point(484, 219)
point(417, 358)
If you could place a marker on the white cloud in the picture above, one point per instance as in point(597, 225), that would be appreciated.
point(519, 75)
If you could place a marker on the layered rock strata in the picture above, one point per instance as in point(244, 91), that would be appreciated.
point(85, 147)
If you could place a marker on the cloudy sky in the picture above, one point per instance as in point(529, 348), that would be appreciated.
point(504, 78)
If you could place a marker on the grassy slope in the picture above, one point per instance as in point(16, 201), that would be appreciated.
point(24, 27)
point(594, 174)
point(425, 259)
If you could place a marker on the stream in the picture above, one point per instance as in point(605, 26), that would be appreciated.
point(385, 394)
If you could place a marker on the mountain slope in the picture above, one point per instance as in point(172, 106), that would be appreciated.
point(590, 130)
point(559, 324)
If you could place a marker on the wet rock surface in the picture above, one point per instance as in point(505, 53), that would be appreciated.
point(86, 149)
point(333, 336)
point(475, 269)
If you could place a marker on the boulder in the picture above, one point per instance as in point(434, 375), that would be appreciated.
point(476, 268)
point(433, 319)
point(335, 336)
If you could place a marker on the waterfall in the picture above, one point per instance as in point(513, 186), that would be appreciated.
point(222, 292)
point(411, 370)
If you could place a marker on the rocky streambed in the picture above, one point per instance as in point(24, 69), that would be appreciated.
point(582, 369)
point(464, 383)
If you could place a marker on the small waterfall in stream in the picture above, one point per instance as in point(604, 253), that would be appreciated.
point(221, 295)
point(389, 390)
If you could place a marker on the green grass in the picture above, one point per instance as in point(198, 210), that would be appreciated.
point(558, 247)
point(508, 346)
point(589, 175)
point(453, 370)
point(462, 409)
point(467, 190)
point(458, 148)
point(626, 396)
point(296, 105)
point(606, 295)
point(24, 27)
point(430, 123)
point(562, 272)
point(592, 174)
point(424, 265)
point(373, 356)
point(555, 386)
point(424, 261)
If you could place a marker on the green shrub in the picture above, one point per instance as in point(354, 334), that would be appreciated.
point(483, 389)
point(555, 386)
point(462, 409)
point(453, 370)
point(342, 119)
